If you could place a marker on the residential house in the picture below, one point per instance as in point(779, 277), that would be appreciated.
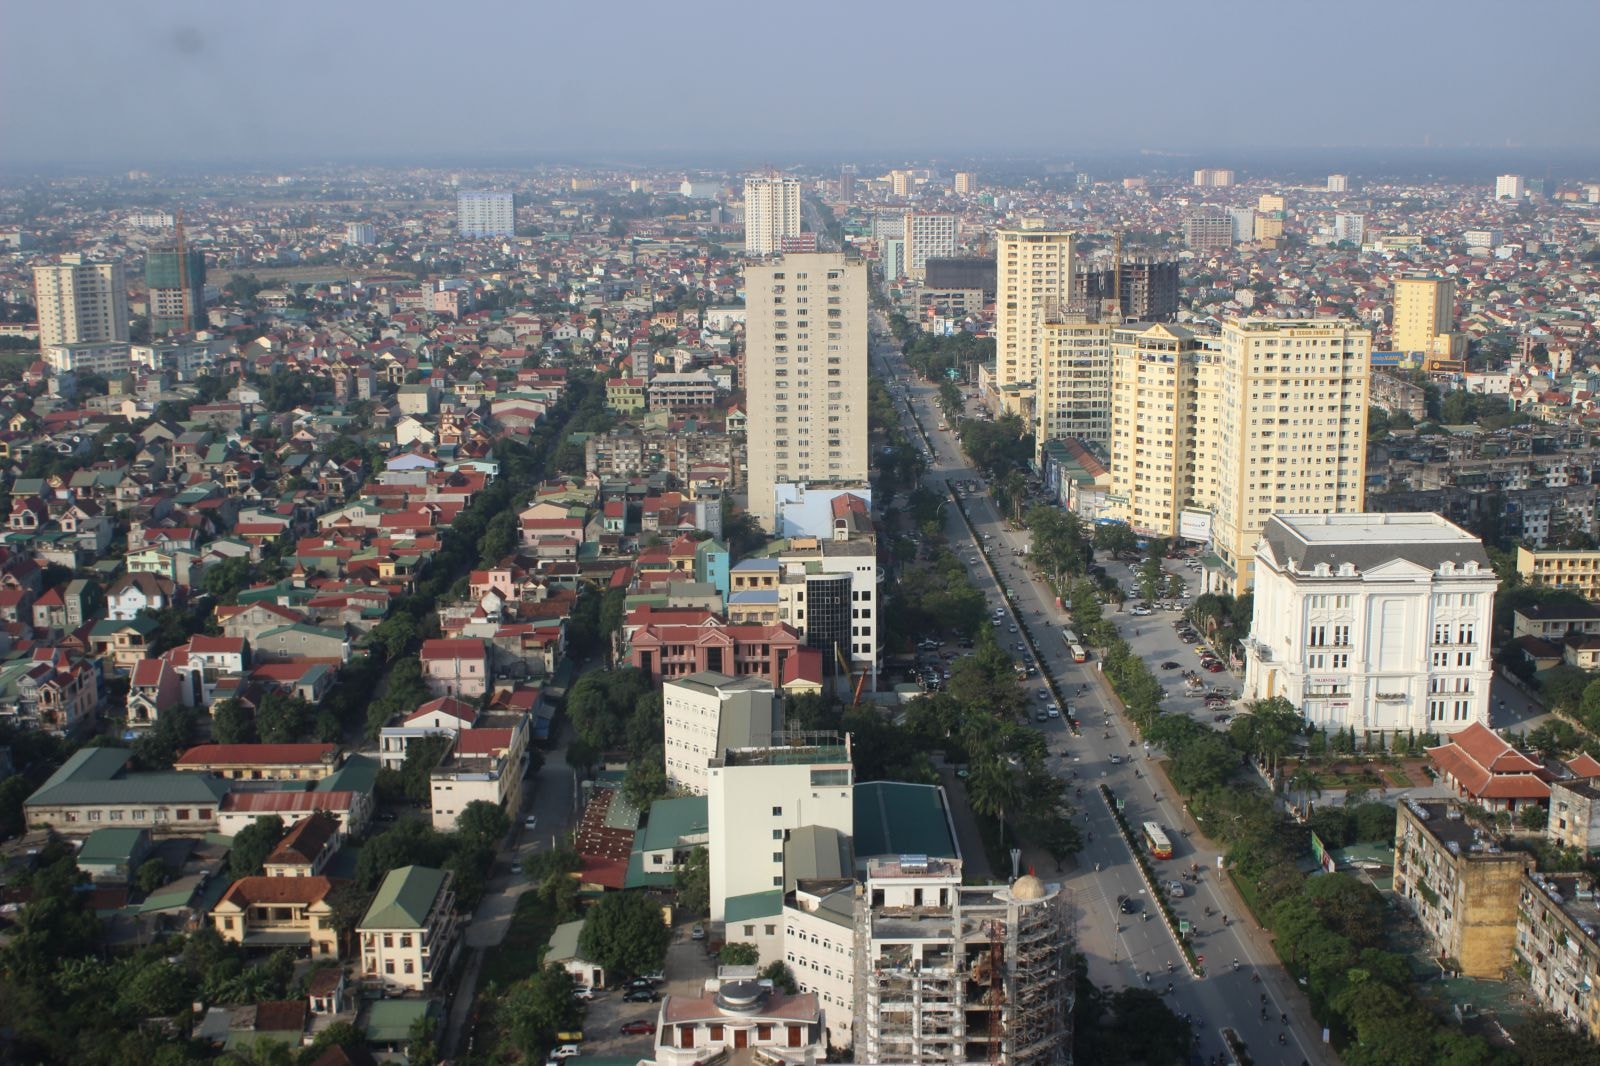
point(408, 934)
point(154, 689)
point(274, 912)
point(563, 952)
point(456, 667)
point(51, 690)
point(482, 764)
point(306, 848)
point(135, 592)
point(122, 645)
point(301, 641)
point(445, 715)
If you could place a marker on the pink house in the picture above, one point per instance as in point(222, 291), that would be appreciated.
point(456, 667)
point(153, 689)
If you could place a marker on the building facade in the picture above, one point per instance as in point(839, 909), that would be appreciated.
point(1379, 623)
point(1558, 923)
point(485, 214)
point(1424, 308)
point(806, 360)
point(1577, 570)
point(1209, 231)
point(704, 713)
point(1510, 187)
point(928, 236)
point(177, 290)
point(81, 302)
point(1155, 431)
point(1034, 268)
point(771, 213)
point(408, 932)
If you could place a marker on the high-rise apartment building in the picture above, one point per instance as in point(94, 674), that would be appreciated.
point(1209, 231)
point(485, 214)
point(900, 183)
point(1149, 288)
point(806, 359)
point(892, 257)
point(1352, 228)
point(1073, 390)
point(1338, 183)
point(1033, 277)
point(1269, 202)
point(928, 236)
point(1293, 433)
point(1213, 178)
point(1242, 221)
point(966, 183)
point(1424, 308)
point(177, 289)
point(360, 233)
point(1155, 435)
point(771, 213)
point(707, 713)
point(1510, 187)
point(81, 302)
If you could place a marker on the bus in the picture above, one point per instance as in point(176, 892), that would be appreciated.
point(1077, 653)
point(1156, 840)
point(1069, 637)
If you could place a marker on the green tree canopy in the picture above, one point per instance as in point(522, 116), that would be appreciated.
point(625, 933)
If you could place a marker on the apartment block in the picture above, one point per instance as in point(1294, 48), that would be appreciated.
point(1575, 815)
point(771, 213)
point(1144, 289)
point(1338, 183)
point(1399, 397)
point(1074, 385)
point(1379, 623)
point(1558, 940)
point(708, 713)
point(1157, 435)
point(806, 359)
point(928, 236)
point(1034, 268)
point(1213, 178)
point(1424, 308)
point(1573, 571)
point(966, 183)
point(1510, 187)
point(1292, 436)
point(1209, 231)
point(177, 286)
point(1462, 888)
point(485, 214)
point(953, 973)
point(1350, 227)
point(81, 302)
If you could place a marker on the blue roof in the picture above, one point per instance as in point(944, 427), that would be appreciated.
point(756, 564)
point(753, 596)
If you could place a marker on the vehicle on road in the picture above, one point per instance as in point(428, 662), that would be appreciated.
point(1078, 654)
point(637, 1027)
point(1043, 694)
point(516, 867)
point(641, 995)
point(1053, 712)
point(564, 1051)
point(1126, 905)
point(697, 933)
point(1155, 839)
point(531, 822)
point(1170, 665)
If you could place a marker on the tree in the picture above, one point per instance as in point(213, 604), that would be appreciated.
point(738, 954)
point(1306, 783)
point(535, 1010)
point(151, 876)
point(692, 882)
point(1533, 817)
point(1544, 1040)
point(781, 976)
point(992, 789)
point(646, 781)
point(252, 845)
point(625, 933)
point(422, 755)
point(232, 723)
point(483, 822)
point(281, 718)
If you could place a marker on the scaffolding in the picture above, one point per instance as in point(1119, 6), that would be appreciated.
point(949, 974)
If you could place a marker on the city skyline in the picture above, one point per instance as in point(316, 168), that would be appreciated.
point(286, 89)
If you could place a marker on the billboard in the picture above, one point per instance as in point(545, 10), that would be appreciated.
point(1195, 525)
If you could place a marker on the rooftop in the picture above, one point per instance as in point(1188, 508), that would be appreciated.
point(405, 898)
point(788, 755)
point(675, 820)
point(1575, 895)
point(1302, 541)
point(897, 818)
point(1444, 822)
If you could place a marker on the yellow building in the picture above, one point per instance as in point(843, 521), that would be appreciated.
point(1267, 203)
point(1572, 571)
point(1291, 432)
point(1155, 375)
point(1033, 279)
point(1423, 309)
point(1464, 895)
point(274, 912)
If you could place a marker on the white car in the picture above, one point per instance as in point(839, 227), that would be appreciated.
point(531, 822)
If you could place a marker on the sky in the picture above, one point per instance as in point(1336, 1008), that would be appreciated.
point(466, 82)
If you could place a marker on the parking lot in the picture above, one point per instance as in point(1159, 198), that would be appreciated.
point(687, 968)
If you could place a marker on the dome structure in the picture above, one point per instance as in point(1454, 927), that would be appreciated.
point(1028, 887)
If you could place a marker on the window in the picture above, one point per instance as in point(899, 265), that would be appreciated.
point(1317, 636)
point(388, 940)
point(777, 812)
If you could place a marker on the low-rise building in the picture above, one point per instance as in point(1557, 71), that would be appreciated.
point(1463, 889)
point(1575, 814)
point(261, 762)
point(93, 789)
point(1556, 622)
point(276, 912)
point(1558, 940)
point(445, 716)
point(408, 933)
point(306, 848)
point(482, 764)
point(706, 713)
point(563, 952)
point(737, 1011)
point(1574, 571)
point(456, 667)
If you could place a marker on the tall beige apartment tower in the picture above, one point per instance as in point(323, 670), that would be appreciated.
point(1033, 279)
point(1292, 437)
point(81, 302)
point(771, 213)
point(806, 362)
point(1160, 431)
point(1424, 308)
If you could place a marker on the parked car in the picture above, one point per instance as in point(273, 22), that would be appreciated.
point(583, 992)
point(637, 1027)
point(697, 933)
point(1214, 666)
point(564, 1051)
point(531, 822)
point(641, 995)
point(1170, 665)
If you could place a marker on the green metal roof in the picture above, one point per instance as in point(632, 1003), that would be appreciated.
point(752, 905)
point(389, 1020)
point(637, 876)
point(107, 847)
point(94, 776)
point(404, 898)
point(673, 819)
point(897, 818)
point(564, 942)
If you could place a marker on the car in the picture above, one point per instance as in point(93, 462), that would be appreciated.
point(583, 992)
point(996, 621)
point(1224, 719)
point(1189, 638)
point(1170, 665)
point(1019, 646)
point(1054, 712)
point(516, 867)
point(531, 822)
point(655, 978)
point(641, 982)
point(637, 1027)
point(1139, 612)
point(564, 1051)
point(1040, 716)
point(1011, 629)
point(1043, 694)
point(1214, 667)
point(697, 933)
point(641, 995)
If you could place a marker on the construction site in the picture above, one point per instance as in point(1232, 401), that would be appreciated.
point(953, 973)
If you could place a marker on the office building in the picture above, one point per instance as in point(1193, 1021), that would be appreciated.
point(1352, 228)
point(1209, 231)
point(485, 214)
point(1213, 178)
point(708, 713)
point(1149, 288)
point(1558, 942)
point(177, 290)
point(900, 184)
point(1033, 278)
point(1154, 432)
point(1462, 888)
point(966, 183)
point(952, 973)
point(1268, 202)
point(360, 233)
point(81, 302)
point(1424, 308)
point(928, 236)
point(1242, 221)
point(1510, 187)
point(806, 359)
point(1292, 433)
point(1374, 622)
point(771, 213)
point(1482, 241)
point(408, 934)
point(964, 272)
point(1073, 392)
point(828, 590)
point(892, 257)
point(757, 797)
point(1338, 183)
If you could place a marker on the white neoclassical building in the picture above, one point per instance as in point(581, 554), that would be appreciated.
point(1376, 621)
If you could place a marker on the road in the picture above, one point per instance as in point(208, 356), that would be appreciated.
point(1122, 950)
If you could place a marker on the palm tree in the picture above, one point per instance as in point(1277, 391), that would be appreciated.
point(1306, 782)
point(993, 789)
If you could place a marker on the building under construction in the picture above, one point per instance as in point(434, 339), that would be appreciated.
point(953, 973)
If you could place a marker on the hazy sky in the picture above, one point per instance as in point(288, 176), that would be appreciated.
point(292, 81)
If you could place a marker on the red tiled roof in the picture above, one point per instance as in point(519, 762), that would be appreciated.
point(483, 742)
point(286, 802)
point(257, 754)
point(303, 843)
point(249, 890)
point(452, 649)
point(1584, 766)
point(446, 705)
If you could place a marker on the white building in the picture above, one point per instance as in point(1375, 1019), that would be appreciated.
point(89, 357)
point(408, 933)
point(1510, 187)
point(707, 713)
point(1338, 183)
point(365, 232)
point(928, 236)
point(1376, 621)
point(806, 362)
point(1352, 228)
point(758, 796)
point(81, 302)
point(819, 925)
point(485, 214)
point(771, 213)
